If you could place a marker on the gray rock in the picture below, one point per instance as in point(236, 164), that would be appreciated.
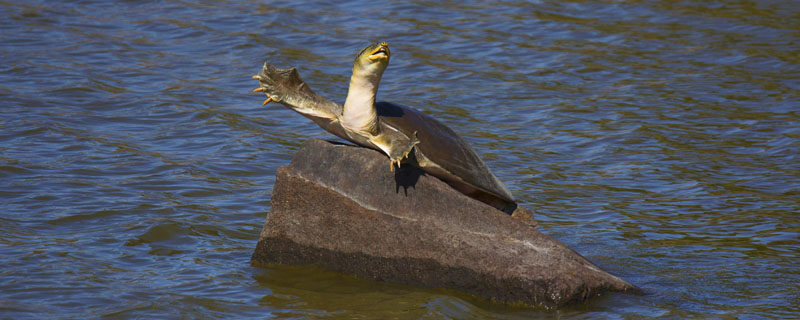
point(339, 207)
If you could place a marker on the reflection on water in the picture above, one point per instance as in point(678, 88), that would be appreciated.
point(658, 139)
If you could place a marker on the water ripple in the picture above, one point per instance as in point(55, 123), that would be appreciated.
point(659, 139)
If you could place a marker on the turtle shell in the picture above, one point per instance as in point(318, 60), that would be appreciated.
point(442, 153)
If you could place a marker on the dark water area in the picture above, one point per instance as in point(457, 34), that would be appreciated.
point(659, 139)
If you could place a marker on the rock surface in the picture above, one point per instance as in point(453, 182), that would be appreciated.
point(339, 207)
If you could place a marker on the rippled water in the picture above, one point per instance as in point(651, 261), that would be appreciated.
point(660, 139)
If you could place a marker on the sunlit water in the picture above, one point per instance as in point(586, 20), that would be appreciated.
point(659, 139)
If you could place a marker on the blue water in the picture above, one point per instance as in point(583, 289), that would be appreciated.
point(661, 140)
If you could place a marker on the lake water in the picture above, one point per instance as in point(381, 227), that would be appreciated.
point(660, 139)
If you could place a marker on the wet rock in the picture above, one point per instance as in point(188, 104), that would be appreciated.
point(339, 206)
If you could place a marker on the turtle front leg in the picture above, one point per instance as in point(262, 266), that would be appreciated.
point(400, 151)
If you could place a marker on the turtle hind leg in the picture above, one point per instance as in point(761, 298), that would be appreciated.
point(400, 150)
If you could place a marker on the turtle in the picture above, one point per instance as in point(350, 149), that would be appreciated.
point(398, 131)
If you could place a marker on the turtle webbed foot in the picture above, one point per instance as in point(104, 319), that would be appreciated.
point(401, 152)
point(277, 84)
point(267, 83)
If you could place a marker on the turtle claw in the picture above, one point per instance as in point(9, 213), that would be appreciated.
point(392, 162)
point(404, 155)
point(262, 89)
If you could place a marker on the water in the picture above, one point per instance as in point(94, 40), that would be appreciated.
point(658, 139)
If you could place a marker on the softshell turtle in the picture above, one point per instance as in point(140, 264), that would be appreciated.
point(395, 129)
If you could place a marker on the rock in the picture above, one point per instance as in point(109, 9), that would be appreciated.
point(339, 207)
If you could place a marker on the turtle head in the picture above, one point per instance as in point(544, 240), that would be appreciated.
point(359, 113)
point(372, 60)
